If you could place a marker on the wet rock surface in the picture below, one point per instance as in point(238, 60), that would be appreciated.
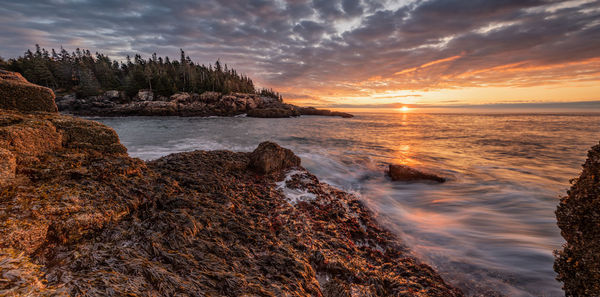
point(406, 173)
point(18, 94)
point(146, 103)
point(578, 216)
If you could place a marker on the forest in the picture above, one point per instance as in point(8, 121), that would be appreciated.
point(88, 74)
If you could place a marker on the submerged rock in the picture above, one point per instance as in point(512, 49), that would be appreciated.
point(269, 157)
point(578, 216)
point(405, 173)
point(18, 94)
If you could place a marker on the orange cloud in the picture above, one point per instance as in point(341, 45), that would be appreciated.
point(428, 64)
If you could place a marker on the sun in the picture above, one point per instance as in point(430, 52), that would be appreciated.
point(404, 109)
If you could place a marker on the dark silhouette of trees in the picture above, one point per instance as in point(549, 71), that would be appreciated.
point(89, 75)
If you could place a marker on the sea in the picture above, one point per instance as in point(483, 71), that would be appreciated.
point(490, 230)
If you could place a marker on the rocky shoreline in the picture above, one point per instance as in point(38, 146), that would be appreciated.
point(78, 216)
point(146, 103)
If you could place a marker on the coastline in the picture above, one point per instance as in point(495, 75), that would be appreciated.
point(80, 216)
point(146, 103)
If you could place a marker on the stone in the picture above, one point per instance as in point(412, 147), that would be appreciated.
point(181, 97)
point(28, 136)
point(269, 157)
point(84, 134)
point(17, 93)
point(112, 94)
point(405, 173)
point(145, 95)
point(8, 166)
point(578, 217)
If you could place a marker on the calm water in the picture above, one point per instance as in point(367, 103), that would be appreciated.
point(490, 230)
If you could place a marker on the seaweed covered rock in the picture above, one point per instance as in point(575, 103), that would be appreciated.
point(18, 94)
point(578, 216)
point(405, 173)
point(269, 157)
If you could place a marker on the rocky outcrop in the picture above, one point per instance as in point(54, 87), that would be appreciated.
point(78, 217)
point(578, 216)
point(405, 173)
point(273, 113)
point(18, 94)
point(323, 112)
point(269, 157)
point(146, 103)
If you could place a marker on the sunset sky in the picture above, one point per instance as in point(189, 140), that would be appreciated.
point(348, 53)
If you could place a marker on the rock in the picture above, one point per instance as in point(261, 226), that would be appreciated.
point(144, 95)
point(578, 217)
point(112, 94)
point(323, 112)
point(269, 157)
point(84, 134)
point(8, 166)
point(272, 113)
point(18, 94)
point(181, 97)
point(27, 135)
point(405, 173)
point(209, 97)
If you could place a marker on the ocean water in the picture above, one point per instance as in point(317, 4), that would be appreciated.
point(489, 230)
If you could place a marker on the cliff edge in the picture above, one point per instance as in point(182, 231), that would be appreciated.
point(79, 217)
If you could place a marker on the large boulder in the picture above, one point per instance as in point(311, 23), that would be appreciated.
point(89, 135)
point(405, 173)
point(578, 217)
point(144, 95)
point(112, 94)
point(269, 157)
point(182, 97)
point(18, 94)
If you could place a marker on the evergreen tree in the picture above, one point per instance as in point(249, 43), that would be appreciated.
point(88, 74)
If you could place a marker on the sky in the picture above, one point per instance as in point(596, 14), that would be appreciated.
point(345, 53)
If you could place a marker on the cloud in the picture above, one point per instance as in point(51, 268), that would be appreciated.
point(332, 46)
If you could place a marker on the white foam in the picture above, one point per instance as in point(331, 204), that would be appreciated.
point(293, 196)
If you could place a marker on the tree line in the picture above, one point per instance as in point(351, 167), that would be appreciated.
point(89, 75)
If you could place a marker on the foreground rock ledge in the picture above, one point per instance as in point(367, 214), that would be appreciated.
point(578, 216)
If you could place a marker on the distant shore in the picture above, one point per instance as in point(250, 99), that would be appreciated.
point(146, 103)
